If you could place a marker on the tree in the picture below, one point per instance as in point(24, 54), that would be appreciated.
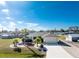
point(41, 39)
point(23, 40)
point(62, 30)
point(41, 31)
point(15, 42)
point(24, 32)
point(38, 40)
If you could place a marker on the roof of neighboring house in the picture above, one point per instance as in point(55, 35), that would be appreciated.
point(37, 34)
point(50, 35)
point(6, 34)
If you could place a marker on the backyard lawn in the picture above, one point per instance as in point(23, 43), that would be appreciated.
point(7, 52)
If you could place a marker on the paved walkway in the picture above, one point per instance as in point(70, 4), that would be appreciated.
point(57, 52)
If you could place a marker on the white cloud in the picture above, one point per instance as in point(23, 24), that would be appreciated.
point(8, 17)
point(35, 26)
point(31, 24)
point(0, 26)
point(3, 3)
point(10, 26)
point(3, 27)
point(6, 11)
point(20, 22)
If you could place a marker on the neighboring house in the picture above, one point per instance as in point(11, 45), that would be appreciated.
point(74, 28)
point(10, 35)
point(72, 37)
point(5, 36)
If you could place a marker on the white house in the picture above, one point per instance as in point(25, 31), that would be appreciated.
point(72, 37)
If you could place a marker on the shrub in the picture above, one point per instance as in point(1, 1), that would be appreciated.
point(17, 49)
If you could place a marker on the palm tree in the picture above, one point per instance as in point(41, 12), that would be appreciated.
point(42, 40)
point(38, 40)
point(62, 30)
point(24, 32)
point(15, 42)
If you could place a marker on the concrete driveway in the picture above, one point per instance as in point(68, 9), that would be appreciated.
point(57, 52)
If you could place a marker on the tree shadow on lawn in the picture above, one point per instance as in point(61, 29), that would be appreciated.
point(35, 53)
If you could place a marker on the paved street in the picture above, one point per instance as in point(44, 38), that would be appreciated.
point(57, 52)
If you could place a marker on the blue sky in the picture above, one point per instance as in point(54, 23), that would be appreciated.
point(41, 15)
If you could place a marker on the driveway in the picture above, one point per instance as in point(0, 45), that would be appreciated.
point(55, 51)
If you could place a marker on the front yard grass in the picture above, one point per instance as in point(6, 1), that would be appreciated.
point(7, 52)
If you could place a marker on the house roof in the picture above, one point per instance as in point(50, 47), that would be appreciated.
point(37, 34)
point(50, 35)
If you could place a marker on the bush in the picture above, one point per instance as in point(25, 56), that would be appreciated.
point(17, 50)
point(16, 41)
point(34, 37)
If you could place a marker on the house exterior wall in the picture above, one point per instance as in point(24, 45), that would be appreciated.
point(50, 40)
point(68, 38)
point(72, 37)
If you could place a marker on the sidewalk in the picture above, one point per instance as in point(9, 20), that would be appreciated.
point(57, 52)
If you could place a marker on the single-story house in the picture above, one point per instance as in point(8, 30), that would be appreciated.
point(72, 37)
point(5, 36)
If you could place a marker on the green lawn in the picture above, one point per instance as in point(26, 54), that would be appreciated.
point(7, 52)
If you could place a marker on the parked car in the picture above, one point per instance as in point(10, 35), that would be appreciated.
point(42, 48)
